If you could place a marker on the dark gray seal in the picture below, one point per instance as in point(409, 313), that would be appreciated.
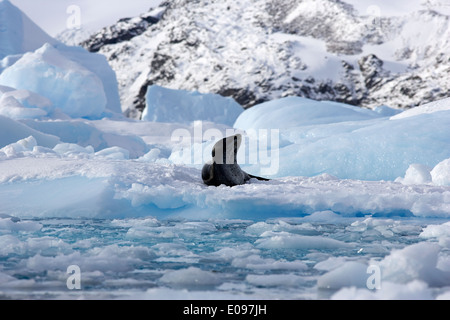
point(223, 168)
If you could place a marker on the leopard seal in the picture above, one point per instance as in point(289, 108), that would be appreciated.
point(223, 169)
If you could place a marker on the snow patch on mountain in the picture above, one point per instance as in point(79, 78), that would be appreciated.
point(254, 51)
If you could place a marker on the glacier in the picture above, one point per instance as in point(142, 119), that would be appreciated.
point(357, 206)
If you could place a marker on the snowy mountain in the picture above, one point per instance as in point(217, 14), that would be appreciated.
point(258, 50)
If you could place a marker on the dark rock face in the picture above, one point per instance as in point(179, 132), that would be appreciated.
point(259, 50)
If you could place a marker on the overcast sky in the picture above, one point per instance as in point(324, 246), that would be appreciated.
point(54, 15)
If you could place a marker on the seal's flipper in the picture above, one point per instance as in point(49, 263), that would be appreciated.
point(258, 178)
point(225, 151)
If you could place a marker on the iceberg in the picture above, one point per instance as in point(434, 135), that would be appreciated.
point(349, 142)
point(167, 105)
point(297, 112)
point(75, 90)
point(18, 33)
point(97, 64)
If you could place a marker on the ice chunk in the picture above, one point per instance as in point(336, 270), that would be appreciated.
point(285, 240)
point(97, 64)
point(415, 262)
point(72, 149)
point(85, 134)
point(166, 105)
point(71, 87)
point(191, 278)
point(416, 174)
point(151, 156)
point(255, 262)
point(440, 232)
point(350, 274)
point(69, 197)
point(414, 290)
point(10, 225)
point(276, 280)
point(441, 173)
point(24, 145)
point(23, 104)
point(114, 153)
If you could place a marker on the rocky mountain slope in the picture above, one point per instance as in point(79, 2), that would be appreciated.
point(258, 50)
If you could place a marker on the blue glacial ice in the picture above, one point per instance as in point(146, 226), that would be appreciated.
point(166, 105)
point(349, 142)
point(77, 91)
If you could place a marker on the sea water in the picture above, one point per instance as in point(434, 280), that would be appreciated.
point(278, 258)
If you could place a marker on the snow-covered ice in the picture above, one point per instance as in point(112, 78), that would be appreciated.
point(78, 191)
point(350, 142)
point(357, 208)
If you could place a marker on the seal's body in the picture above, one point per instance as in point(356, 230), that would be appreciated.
point(224, 169)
